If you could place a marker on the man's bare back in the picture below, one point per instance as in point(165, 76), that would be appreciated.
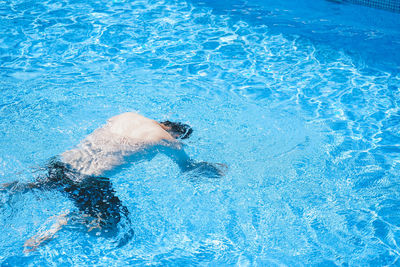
point(120, 137)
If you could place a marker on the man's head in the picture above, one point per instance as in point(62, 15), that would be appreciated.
point(176, 129)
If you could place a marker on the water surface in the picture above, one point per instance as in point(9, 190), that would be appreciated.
point(300, 100)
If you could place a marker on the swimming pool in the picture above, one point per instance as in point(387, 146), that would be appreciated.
point(300, 99)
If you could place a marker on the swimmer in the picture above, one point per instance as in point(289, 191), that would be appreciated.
point(78, 173)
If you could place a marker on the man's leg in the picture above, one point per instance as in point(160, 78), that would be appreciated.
point(35, 241)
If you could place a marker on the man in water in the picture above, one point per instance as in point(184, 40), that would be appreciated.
point(78, 172)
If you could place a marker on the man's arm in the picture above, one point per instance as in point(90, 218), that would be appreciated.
point(185, 163)
point(17, 186)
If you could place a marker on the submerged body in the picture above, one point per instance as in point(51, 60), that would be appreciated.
point(78, 172)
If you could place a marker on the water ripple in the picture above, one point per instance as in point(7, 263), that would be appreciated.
point(310, 133)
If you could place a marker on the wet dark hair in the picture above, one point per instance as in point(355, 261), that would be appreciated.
point(182, 129)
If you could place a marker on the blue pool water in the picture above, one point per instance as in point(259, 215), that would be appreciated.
point(300, 99)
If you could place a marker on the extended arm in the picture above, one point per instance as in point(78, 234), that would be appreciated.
point(179, 156)
point(17, 186)
point(185, 163)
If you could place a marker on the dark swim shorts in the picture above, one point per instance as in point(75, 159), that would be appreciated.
point(92, 195)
